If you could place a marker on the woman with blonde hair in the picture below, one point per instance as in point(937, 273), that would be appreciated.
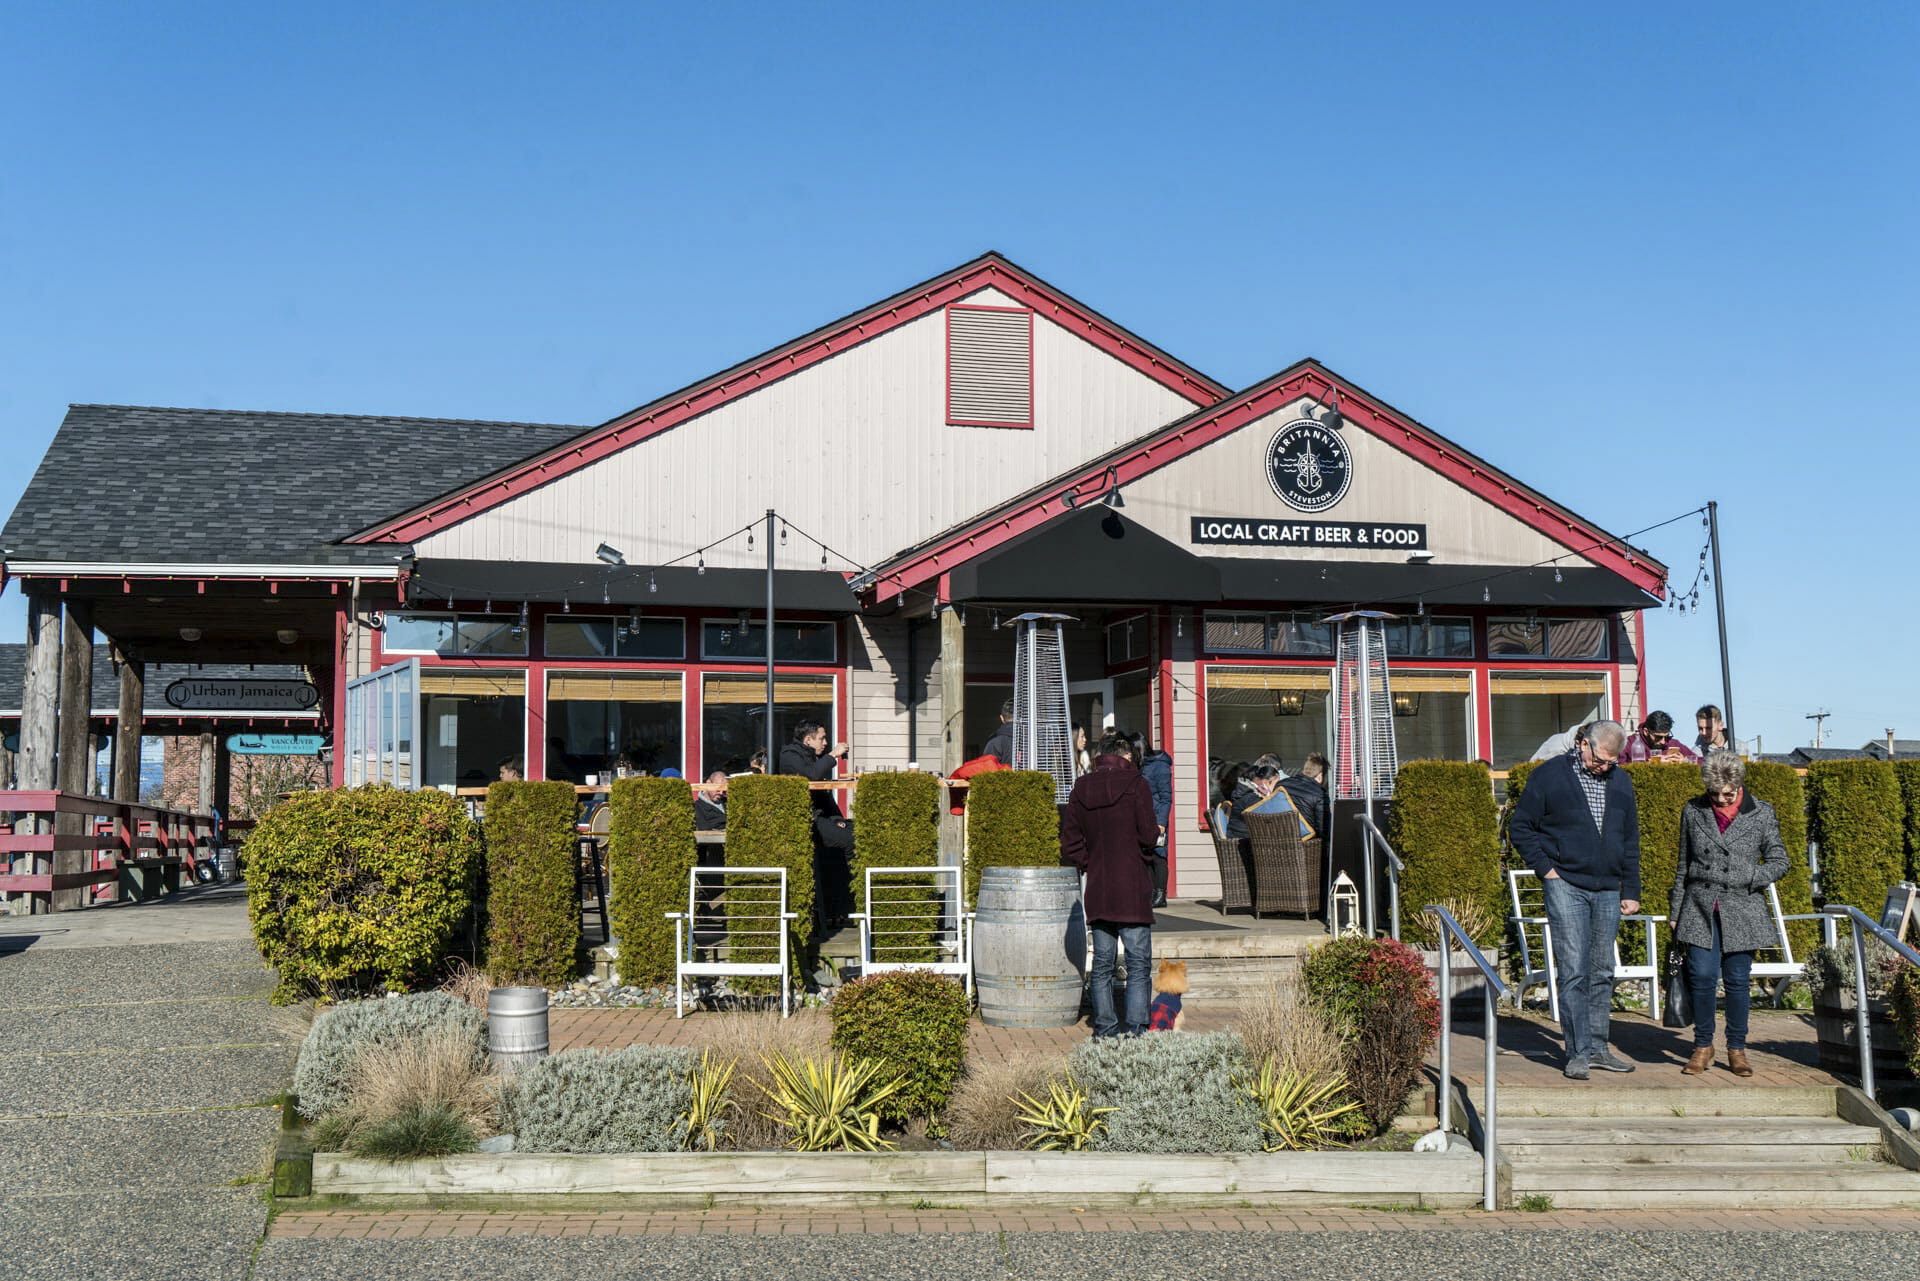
point(1730, 852)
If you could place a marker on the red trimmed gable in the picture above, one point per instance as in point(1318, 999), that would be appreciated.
point(929, 561)
point(990, 270)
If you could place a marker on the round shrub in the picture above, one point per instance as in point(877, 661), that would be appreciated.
point(1380, 998)
point(599, 1100)
point(323, 1073)
point(1171, 1092)
point(650, 850)
point(1853, 810)
point(1012, 821)
point(915, 1023)
point(1445, 826)
point(360, 889)
point(533, 912)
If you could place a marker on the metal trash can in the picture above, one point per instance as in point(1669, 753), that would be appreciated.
point(517, 1025)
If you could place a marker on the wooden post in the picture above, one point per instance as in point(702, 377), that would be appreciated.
point(126, 731)
point(39, 721)
point(75, 760)
point(205, 802)
point(953, 725)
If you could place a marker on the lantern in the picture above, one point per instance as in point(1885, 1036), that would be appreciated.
point(1346, 906)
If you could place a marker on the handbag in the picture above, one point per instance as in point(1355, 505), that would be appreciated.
point(1678, 1011)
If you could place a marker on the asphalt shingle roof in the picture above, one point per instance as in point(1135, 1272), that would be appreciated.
point(207, 486)
point(106, 682)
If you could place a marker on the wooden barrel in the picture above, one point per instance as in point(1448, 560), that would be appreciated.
point(1029, 946)
point(517, 1025)
point(1839, 1038)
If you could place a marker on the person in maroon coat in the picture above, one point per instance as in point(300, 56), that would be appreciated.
point(1109, 833)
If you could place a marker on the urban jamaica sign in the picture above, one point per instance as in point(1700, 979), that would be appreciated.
point(1309, 466)
point(241, 694)
point(1251, 531)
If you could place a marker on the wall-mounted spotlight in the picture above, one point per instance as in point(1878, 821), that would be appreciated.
point(610, 554)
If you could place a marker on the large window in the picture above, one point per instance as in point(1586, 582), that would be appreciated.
point(722, 640)
point(1428, 637)
point(1432, 715)
point(1252, 710)
point(470, 724)
point(1127, 640)
point(630, 637)
point(1297, 633)
point(378, 735)
point(733, 715)
point(455, 635)
point(602, 722)
point(1530, 707)
point(1565, 639)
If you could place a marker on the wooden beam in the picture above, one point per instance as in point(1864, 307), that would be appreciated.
point(39, 727)
point(205, 800)
point(126, 750)
point(74, 763)
point(953, 724)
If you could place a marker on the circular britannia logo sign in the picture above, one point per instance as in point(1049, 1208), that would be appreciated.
point(1308, 466)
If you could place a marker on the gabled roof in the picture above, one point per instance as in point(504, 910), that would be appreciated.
point(148, 485)
point(1149, 453)
point(990, 270)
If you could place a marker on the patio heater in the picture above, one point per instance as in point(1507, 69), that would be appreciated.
point(1042, 728)
point(1365, 760)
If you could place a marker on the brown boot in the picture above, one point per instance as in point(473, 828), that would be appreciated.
point(1702, 1060)
point(1737, 1063)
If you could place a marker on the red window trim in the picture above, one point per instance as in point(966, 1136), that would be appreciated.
point(947, 320)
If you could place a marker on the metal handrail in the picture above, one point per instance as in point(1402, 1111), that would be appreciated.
point(1495, 989)
point(1862, 924)
point(1371, 837)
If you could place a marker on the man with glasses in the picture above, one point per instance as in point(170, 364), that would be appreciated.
point(1577, 825)
point(1655, 742)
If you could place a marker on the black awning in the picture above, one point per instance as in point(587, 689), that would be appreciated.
point(814, 591)
point(1335, 583)
point(1093, 555)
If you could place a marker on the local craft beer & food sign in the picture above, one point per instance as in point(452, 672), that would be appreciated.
point(1310, 469)
point(1251, 531)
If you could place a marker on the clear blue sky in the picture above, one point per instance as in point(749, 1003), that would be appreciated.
point(1641, 256)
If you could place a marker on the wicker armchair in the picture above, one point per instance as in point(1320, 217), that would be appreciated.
point(1283, 869)
point(1236, 867)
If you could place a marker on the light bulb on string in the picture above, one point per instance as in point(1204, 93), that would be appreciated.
point(702, 569)
point(823, 558)
point(749, 539)
point(1486, 595)
point(651, 585)
point(783, 533)
point(566, 606)
point(1556, 573)
point(900, 598)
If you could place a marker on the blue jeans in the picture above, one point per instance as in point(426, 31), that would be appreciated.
point(1138, 940)
point(1584, 923)
point(1735, 970)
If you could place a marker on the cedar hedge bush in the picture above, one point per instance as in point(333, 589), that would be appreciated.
point(915, 1023)
point(1516, 784)
point(533, 914)
point(899, 826)
point(1445, 826)
point(650, 850)
point(1012, 821)
point(770, 824)
point(1853, 810)
point(360, 889)
point(1908, 774)
point(1660, 791)
point(1779, 786)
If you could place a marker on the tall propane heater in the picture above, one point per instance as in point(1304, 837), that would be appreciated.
point(1365, 759)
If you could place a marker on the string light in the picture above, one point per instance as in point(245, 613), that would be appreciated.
point(783, 533)
point(1486, 595)
point(566, 606)
point(651, 585)
point(749, 540)
point(703, 563)
point(1556, 573)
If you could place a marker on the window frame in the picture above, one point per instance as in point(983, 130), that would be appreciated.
point(760, 660)
point(459, 618)
point(619, 622)
point(1546, 625)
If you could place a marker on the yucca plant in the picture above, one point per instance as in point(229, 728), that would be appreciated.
point(1297, 1112)
point(709, 1103)
point(1065, 1121)
point(831, 1104)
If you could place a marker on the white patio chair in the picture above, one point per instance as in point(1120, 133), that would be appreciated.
point(903, 906)
point(1788, 968)
point(757, 922)
point(1535, 936)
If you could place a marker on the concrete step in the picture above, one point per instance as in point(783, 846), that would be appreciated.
point(1731, 1176)
point(1631, 1099)
point(1731, 1153)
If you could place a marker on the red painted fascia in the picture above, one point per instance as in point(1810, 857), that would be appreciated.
point(1202, 429)
point(661, 415)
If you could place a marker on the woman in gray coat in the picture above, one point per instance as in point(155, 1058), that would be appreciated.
point(1730, 851)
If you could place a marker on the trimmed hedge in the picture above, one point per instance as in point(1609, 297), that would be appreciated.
point(1661, 791)
point(1012, 821)
point(1516, 784)
point(1908, 774)
point(770, 824)
point(1445, 826)
point(650, 850)
point(1854, 811)
point(533, 914)
point(914, 1022)
point(1780, 787)
point(897, 825)
point(360, 889)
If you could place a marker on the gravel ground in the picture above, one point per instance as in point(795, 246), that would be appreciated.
point(1172, 1256)
point(187, 1235)
point(36, 979)
point(210, 1075)
point(160, 1022)
point(71, 1155)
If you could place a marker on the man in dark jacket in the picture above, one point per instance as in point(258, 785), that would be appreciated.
point(807, 756)
point(710, 804)
point(1000, 746)
point(1157, 768)
point(1308, 789)
point(1108, 832)
point(1578, 826)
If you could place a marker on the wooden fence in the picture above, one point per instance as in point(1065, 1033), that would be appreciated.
point(124, 849)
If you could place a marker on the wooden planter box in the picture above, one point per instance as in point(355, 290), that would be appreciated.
point(1834, 1024)
point(944, 1178)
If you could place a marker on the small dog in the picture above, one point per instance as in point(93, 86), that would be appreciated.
point(1169, 985)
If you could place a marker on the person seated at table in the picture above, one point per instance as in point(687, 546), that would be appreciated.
point(807, 756)
point(1257, 790)
point(1655, 742)
point(511, 770)
point(710, 804)
point(1308, 791)
point(757, 763)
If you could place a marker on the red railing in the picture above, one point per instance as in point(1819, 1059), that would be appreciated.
point(125, 845)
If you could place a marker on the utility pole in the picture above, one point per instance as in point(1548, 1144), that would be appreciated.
point(1720, 610)
point(1819, 720)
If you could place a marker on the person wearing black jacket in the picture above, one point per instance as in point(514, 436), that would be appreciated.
point(1000, 746)
point(1309, 791)
point(1577, 825)
point(710, 804)
point(1157, 768)
point(808, 757)
point(1108, 832)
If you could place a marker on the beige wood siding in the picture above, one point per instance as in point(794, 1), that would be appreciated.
point(855, 450)
point(1229, 478)
point(879, 691)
